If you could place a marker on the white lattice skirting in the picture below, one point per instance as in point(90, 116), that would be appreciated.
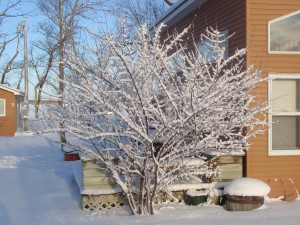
point(101, 202)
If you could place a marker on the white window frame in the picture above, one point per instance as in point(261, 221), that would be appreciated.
point(283, 152)
point(4, 104)
point(269, 33)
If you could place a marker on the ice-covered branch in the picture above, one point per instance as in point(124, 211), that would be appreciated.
point(150, 110)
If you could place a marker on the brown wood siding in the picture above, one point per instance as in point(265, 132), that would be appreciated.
point(224, 14)
point(282, 173)
point(8, 124)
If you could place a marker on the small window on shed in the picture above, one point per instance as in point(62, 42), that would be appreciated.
point(284, 34)
point(2, 107)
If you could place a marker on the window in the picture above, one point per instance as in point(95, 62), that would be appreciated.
point(178, 58)
point(2, 107)
point(205, 47)
point(284, 134)
point(284, 34)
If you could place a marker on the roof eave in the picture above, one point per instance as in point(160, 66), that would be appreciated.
point(178, 11)
point(14, 91)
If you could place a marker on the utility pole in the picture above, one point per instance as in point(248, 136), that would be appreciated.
point(25, 61)
point(26, 99)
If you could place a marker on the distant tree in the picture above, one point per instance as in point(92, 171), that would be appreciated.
point(133, 105)
point(137, 13)
point(9, 64)
point(62, 29)
point(9, 9)
point(42, 65)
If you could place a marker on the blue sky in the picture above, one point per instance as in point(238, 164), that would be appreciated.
point(10, 26)
point(104, 21)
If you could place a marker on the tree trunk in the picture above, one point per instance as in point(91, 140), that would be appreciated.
point(61, 70)
point(38, 97)
point(141, 196)
point(154, 190)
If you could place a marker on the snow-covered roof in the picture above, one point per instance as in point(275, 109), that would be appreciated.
point(12, 90)
point(178, 11)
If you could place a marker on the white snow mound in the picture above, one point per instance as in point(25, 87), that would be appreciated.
point(194, 193)
point(247, 187)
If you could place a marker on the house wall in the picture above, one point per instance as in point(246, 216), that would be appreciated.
point(223, 14)
point(278, 171)
point(8, 124)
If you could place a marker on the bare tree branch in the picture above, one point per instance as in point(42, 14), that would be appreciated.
point(131, 104)
point(10, 62)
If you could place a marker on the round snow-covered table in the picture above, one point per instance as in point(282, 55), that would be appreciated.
point(245, 194)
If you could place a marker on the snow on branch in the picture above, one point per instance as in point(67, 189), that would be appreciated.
point(157, 119)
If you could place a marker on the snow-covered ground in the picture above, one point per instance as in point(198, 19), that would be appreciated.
point(38, 188)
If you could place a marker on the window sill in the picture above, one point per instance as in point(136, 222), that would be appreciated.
point(284, 152)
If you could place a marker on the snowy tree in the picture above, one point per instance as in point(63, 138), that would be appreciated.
point(149, 109)
point(139, 12)
point(10, 41)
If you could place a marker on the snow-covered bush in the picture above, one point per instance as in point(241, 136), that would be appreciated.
point(130, 103)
